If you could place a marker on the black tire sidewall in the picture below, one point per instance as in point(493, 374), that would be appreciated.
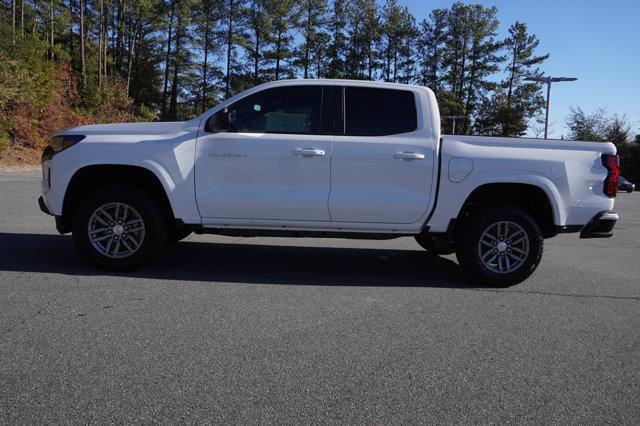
point(467, 249)
point(150, 212)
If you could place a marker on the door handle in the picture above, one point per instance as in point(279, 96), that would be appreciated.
point(409, 156)
point(308, 152)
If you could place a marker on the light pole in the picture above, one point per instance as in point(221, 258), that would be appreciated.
point(548, 80)
point(454, 118)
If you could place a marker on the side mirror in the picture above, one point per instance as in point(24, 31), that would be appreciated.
point(218, 123)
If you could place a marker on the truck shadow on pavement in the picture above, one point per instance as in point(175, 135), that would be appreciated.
point(246, 263)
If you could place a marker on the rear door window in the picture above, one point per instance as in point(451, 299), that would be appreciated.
point(379, 112)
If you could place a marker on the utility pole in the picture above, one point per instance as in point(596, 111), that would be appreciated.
point(453, 119)
point(548, 80)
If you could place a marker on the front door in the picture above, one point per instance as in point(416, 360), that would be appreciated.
point(274, 164)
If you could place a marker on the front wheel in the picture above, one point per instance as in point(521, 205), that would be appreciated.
point(119, 228)
point(501, 247)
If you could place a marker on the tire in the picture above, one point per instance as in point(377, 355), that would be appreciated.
point(119, 246)
point(177, 234)
point(516, 259)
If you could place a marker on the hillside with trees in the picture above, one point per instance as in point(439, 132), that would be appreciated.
point(65, 62)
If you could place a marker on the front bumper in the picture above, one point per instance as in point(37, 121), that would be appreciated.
point(601, 226)
point(62, 227)
point(43, 206)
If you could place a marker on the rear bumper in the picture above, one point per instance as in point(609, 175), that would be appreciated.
point(601, 226)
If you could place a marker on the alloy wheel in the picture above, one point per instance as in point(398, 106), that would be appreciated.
point(503, 247)
point(116, 230)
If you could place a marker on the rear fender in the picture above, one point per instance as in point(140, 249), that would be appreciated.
point(452, 196)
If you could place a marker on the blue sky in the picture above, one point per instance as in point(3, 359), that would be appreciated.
point(596, 41)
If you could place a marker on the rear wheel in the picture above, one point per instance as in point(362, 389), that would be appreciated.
point(119, 228)
point(501, 247)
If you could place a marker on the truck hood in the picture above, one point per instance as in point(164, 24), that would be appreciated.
point(134, 129)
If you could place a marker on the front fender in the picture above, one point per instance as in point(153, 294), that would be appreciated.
point(173, 169)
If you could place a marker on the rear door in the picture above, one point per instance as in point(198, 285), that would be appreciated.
point(274, 165)
point(382, 166)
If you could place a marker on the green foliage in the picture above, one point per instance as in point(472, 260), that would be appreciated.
point(4, 140)
point(146, 114)
point(588, 127)
point(600, 127)
point(630, 161)
point(39, 96)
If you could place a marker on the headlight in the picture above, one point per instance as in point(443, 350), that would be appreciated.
point(62, 142)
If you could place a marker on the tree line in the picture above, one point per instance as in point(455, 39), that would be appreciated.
point(68, 62)
point(177, 58)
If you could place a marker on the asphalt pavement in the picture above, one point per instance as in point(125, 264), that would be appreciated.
point(271, 330)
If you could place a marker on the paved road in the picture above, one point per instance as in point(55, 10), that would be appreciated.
point(275, 330)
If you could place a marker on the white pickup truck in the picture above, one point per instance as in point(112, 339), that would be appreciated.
point(326, 158)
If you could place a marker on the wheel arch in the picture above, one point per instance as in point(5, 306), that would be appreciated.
point(90, 177)
point(534, 199)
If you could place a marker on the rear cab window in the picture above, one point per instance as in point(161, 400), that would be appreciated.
point(379, 112)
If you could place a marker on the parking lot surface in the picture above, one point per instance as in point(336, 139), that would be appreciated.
point(309, 330)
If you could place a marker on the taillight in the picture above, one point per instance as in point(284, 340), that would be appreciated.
point(612, 164)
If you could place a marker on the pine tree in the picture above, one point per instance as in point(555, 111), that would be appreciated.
point(336, 51)
point(83, 73)
point(312, 20)
point(173, 4)
point(363, 32)
point(431, 47)
point(407, 50)
point(371, 36)
point(355, 35)
point(259, 37)
point(390, 38)
point(207, 19)
point(234, 13)
point(182, 56)
point(457, 51)
point(521, 50)
point(321, 62)
point(515, 101)
point(285, 15)
point(484, 58)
